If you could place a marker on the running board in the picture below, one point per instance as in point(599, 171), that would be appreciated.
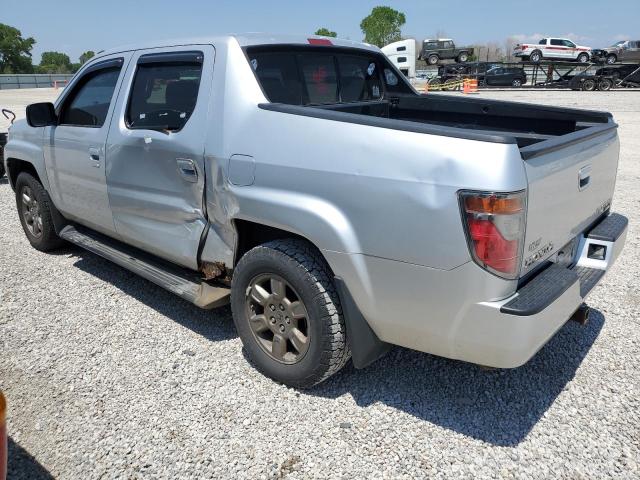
point(193, 289)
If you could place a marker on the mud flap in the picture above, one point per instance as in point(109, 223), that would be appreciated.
point(365, 345)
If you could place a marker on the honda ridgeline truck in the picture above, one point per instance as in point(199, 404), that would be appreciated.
point(305, 181)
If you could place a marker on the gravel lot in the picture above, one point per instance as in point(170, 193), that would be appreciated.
point(109, 376)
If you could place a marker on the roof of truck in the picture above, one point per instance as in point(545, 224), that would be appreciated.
point(244, 39)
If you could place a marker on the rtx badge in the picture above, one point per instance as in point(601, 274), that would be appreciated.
point(539, 254)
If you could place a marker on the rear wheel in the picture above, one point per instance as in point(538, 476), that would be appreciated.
point(589, 85)
point(583, 58)
point(463, 57)
point(536, 56)
point(34, 209)
point(516, 82)
point(605, 84)
point(611, 59)
point(288, 314)
point(433, 59)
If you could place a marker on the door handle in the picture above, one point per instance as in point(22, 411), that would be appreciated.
point(94, 156)
point(187, 169)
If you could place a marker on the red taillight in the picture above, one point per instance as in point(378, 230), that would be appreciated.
point(491, 248)
point(319, 41)
point(495, 230)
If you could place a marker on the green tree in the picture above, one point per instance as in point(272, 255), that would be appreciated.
point(89, 54)
point(325, 32)
point(55, 62)
point(15, 51)
point(382, 26)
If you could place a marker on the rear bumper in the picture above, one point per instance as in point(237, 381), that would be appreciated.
point(467, 313)
point(508, 333)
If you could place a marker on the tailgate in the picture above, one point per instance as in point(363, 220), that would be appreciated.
point(571, 181)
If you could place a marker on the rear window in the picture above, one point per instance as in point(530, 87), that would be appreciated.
point(163, 95)
point(317, 78)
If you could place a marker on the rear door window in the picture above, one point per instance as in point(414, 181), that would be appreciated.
point(164, 94)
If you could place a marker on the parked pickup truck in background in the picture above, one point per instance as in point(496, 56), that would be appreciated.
point(552, 49)
point(340, 212)
point(444, 49)
point(622, 51)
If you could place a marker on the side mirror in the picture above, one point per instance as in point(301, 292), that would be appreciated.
point(41, 114)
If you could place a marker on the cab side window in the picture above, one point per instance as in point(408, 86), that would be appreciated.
point(88, 104)
point(165, 91)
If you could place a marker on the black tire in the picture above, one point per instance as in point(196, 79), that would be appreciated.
point(463, 57)
point(583, 58)
point(517, 82)
point(302, 267)
point(536, 56)
point(605, 84)
point(589, 85)
point(433, 59)
point(47, 239)
point(2, 172)
point(611, 59)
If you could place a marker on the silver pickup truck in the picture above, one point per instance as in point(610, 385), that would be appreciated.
point(305, 181)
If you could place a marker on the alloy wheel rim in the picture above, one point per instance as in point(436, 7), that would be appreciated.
point(278, 318)
point(31, 212)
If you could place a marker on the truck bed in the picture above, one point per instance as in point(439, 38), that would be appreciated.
point(570, 156)
point(534, 128)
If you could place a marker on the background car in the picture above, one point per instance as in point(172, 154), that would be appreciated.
point(627, 72)
point(622, 51)
point(505, 77)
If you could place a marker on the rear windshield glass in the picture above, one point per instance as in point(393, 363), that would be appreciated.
point(316, 78)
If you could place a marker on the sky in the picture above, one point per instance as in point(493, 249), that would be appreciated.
point(74, 26)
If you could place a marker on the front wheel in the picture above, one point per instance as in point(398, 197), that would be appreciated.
point(287, 312)
point(34, 208)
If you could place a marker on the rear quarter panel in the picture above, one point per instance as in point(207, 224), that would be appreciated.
point(347, 188)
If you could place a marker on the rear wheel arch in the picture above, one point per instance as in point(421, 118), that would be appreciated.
point(251, 234)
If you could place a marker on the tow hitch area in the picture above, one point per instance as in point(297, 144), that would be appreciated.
point(581, 315)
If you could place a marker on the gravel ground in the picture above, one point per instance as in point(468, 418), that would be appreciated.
point(109, 376)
